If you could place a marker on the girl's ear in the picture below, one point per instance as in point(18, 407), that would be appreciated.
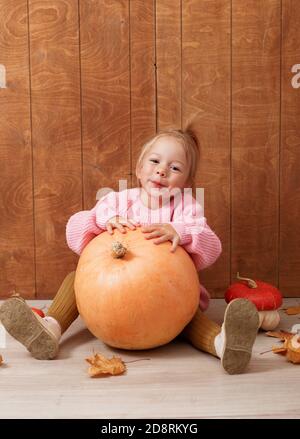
point(188, 182)
point(138, 172)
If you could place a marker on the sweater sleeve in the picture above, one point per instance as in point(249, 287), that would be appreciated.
point(83, 226)
point(112, 204)
point(196, 237)
point(81, 229)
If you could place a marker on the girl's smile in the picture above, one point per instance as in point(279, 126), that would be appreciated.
point(164, 168)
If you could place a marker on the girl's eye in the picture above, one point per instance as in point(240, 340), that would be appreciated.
point(173, 167)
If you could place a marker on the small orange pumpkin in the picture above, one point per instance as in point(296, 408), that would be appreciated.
point(134, 294)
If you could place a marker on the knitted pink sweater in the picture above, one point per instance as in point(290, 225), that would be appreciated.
point(184, 213)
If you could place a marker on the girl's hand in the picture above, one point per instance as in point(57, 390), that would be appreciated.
point(117, 222)
point(166, 233)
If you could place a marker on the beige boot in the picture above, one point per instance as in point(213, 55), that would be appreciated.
point(234, 343)
point(28, 328)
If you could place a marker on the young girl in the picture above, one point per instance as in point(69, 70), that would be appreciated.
point(167, 164)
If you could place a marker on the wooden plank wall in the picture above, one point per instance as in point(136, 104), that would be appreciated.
point(255, 137)
point(206, 106)
point(17, 240)
point(289, 237)
point(88, 82)
point(56, 134)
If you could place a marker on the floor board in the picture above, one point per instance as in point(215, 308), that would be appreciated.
point(177, 382)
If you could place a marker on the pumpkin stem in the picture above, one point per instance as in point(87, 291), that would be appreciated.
point(251, 282)
point(118, 249)
point(14, 293)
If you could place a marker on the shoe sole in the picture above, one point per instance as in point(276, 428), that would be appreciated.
point(241, 323)
point(27, 328)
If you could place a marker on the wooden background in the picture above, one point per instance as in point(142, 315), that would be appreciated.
point(88, 81)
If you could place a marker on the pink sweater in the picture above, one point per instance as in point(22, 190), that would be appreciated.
point(184, 213)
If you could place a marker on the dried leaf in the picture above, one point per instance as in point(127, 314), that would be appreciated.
point(283, 335)
point(290, 346)
point(292, 310)
point(279, 350)
point(293, 349)
point(100, 365)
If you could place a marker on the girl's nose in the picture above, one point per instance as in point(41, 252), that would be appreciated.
point(161, 172)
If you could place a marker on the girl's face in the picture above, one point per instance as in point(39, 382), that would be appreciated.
point(164, 166)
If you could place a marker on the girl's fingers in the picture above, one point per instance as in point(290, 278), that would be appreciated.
point(130, 225)
point(120, 227)
point(109, 228)
point(154, 234)
point(162, 239)
point(150, 228)
point(147, 229)
point(133, 222)
point(175, 243)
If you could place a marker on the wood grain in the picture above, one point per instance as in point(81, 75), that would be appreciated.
point(255, 138)
point(56, 136)
point(87, 86)
point(17, 260)
point(142, 77)
point(206, 106)
point(105, 95)
point(176, 382)
point(168, 63)
point(289, 262)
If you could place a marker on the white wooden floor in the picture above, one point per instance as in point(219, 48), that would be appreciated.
point(177, 382)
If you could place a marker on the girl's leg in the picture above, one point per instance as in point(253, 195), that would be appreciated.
point(201, 333)
point(63, 308)
point(41, 335)
point(232, 342)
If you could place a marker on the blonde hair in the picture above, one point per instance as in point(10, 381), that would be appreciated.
point(190, 144)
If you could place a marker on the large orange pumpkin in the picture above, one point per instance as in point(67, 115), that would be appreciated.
point(134, 294)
